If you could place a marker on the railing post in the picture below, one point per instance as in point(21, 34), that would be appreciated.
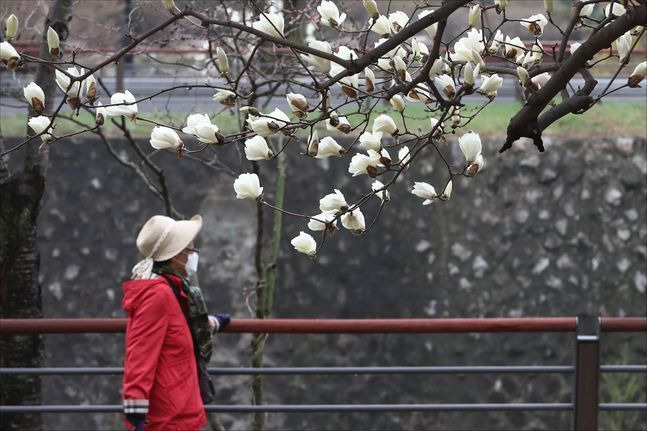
point(587, 374)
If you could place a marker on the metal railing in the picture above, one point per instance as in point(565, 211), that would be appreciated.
point(585, 370)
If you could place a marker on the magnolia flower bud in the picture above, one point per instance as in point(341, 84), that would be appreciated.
point(535, 24)
point(12, 27)
point(165, 138)
point(447, 193)
point(380, 191)
point(169, 5)
point(623, 45)
point(53, 42)
point(491, 85)
point(35, 96)
point(40, 125)
point(100, 115)
point(319, 222)
point(380, 25)
point(354, 221)
point(475, 167)
point(500, 5)
point(72, 89)
point(548, 6)
point(470, 144)
point(384, 123)
point(328, 147)
point(225, 97)
point(496, 42)
point(438, 127)
point(223, 61)
point(524, 77)
point(313, 144)
point(541, 79)
point(9, 55)
point(270, 23)
point(469, 77)
point(397, 102)
point(474, 16)
point(343, 125)
point(322, 64)
point(455, 118)
point(125, 105)
point(425, 191)
point(400, 67)
point(371, 8)
point(432, 29)
point(371, 141)
point(256, 148)
point(637, 75)
point(446, 83)
point(247, 186)
point(398, 20)
point(298, 104)
point(91, 88)
point(404, 156)
point(369, 80)
point(330, 14)
point(333, 202)
point(304, 243)
point(436, 67)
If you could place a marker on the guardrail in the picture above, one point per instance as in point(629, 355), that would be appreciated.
point(585, 369)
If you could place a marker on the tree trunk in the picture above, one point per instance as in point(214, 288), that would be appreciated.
point(20, 292)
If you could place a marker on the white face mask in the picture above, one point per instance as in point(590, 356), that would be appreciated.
point(191, 265)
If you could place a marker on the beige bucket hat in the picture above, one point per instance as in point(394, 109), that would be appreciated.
point(161, 238)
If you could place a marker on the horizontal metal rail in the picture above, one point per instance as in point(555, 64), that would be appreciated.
point(329, 408)
point(224, 371)
point(337, 326)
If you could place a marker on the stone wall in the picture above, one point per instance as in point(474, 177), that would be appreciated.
point(551, 234)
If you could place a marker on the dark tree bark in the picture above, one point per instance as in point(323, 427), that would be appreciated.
point(20, 292)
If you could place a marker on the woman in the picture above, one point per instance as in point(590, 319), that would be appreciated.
point(161, 389)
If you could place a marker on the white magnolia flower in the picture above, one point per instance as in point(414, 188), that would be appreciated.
point(535, 24)
point(165, 138)
point(497, 40)
point(270, 23)
point(398, 20)
point(476, 166)
point(35, 96)
point(371, 141)
point(420, 93)
point(193, 121)
point(73, 90)
point(313, 144)
point(298, 104)
point(465, 46)
point(304, 243)
point(425, 191)
point(638, 74)
point(100, 115)
point(349, 84)
point(432, 29)
point(223, 61)
point(474, 16)
point(501, 4)
point(128, 109)
point(471, 73)
point(91, 92)
point(369, 80)
point(39, 125)
point(618, 9)
point(12, 27)
point(385, 124)
point(354, 221)
point(491, 85)
point(439, 127)
point(383, 194)
point(318, 222)
point(587, 10)
point(328, 147)
point(333, 202)
point(371, 8)
point(247, 186)
point(524, 77)
point(513, 47)
point(446, 83)
point(470, 144)
point(9, 55)
point(330, 14)
point(418, 49)
point(623, 45)
point(400, 66)
point(575, 46)
point(343, 125)
point(397, 102)
point(225, 97)
point(541, 79)
point(381, 25)
point(447, 193)
point(199, 125)
point(53, 42)
point(404, 156)
point(256, 148)
point(269, 124)
point(322, 64)
point(436, 67)
point(379, 158)
point(361, 164)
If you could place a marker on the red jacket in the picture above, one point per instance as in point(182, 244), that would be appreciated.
point(160, 376)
